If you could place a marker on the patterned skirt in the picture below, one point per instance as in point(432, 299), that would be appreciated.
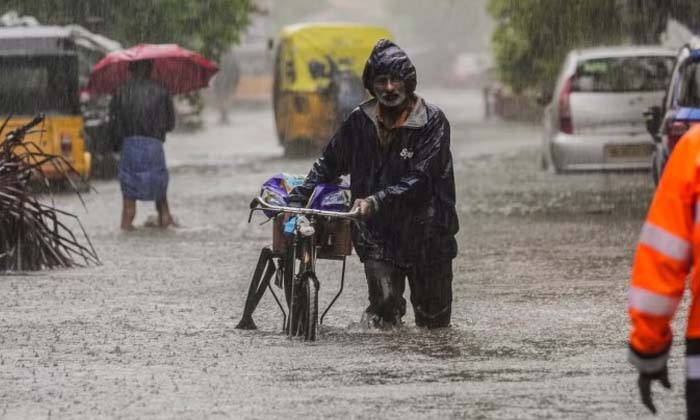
point(142, 172)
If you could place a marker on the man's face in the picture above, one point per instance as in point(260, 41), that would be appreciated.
point(390, 90)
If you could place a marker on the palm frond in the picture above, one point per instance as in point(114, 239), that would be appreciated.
point(33, 235)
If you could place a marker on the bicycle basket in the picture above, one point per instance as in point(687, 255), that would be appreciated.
point(334, 237)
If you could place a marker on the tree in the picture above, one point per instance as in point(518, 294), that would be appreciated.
point(208, 26)
point(647, 18)
point(533, 36)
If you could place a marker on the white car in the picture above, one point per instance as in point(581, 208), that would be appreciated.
point(595, 119)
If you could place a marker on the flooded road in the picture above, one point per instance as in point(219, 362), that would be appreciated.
point(539, 326)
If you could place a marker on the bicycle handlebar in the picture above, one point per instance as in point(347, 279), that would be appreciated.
point(258, 201)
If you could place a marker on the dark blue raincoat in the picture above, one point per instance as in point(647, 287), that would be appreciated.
point(411, 180)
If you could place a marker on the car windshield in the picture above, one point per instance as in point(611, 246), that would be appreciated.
point(32, 84)
point(623, 74)
point(689, 85)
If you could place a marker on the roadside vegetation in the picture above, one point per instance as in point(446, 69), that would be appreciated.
point(209, 27)
point(532, 37)
point(35, 235)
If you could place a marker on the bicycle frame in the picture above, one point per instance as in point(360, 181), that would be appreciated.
point(302, 248)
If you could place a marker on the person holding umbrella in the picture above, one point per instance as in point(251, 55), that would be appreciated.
point(141, 113)
point(142, 79)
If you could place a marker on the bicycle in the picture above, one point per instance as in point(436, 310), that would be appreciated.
point(319, 234)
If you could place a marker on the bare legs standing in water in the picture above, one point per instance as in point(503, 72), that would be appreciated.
point(165, 219)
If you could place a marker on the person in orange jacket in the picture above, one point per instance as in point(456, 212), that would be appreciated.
point(669, 246)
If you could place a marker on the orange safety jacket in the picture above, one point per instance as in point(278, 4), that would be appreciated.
point(668, 247)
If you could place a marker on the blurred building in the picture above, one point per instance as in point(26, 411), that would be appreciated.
point(254, 57)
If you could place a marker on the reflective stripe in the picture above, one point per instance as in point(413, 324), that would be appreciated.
point(693, 365)
point(665, 242)
point(647, 365)
point(696, 212)
point(652, 303)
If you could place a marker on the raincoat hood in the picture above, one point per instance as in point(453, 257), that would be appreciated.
point(387, 58)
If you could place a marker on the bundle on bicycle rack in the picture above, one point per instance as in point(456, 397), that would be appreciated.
point(321, 230)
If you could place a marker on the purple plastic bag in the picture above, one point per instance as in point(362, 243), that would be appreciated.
point(327, 196)
point(330, 197)
point(276, 190)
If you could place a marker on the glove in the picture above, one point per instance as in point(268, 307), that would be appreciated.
point(645, 380)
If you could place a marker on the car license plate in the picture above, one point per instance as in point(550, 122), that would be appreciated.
point(629, 151)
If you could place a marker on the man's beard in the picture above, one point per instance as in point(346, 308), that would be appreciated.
point(392, 100)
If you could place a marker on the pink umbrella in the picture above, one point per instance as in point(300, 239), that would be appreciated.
point(178, 69)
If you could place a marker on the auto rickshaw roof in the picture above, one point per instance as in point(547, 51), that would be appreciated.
point(28, 53)
point(31, 38)
point(347, 45)
point(33, 32)
point(291, 31)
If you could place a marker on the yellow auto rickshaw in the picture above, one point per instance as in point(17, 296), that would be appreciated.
point(317, 80)
point(39, 73)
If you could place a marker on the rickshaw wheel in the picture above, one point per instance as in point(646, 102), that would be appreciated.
point(300, 149)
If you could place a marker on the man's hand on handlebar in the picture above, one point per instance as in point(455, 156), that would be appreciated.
point(365, 207)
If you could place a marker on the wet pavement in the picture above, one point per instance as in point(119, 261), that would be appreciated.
point(539, 325)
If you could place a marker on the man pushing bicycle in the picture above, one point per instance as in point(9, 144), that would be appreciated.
point(396, 148)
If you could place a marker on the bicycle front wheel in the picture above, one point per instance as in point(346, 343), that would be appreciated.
point(303, 312)
point(310, 306)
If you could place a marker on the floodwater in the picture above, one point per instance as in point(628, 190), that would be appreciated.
point(539, 325)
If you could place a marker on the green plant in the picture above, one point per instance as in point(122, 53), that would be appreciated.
point(33, 235)
point(207, 26)
point(532, 37)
